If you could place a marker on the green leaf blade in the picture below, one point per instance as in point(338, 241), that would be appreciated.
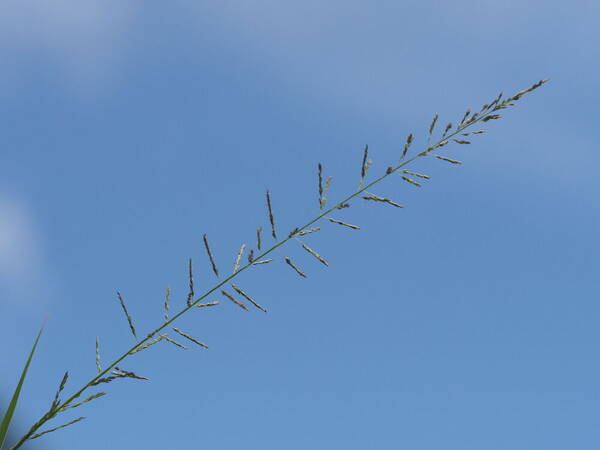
point(15, 398)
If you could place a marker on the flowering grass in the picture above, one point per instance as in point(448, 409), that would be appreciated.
point(453, 135)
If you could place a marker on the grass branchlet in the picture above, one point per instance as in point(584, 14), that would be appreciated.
point(262, 261)
point(210, 255)
point(409, 141)
point(129, 319)
point(190, 296)
point(376, 198)
point(365, 165)
point(415, 174)
point(271, 218)
point(173, 341)
point(339, 222)
point(258, 240)
point(63, 382)
point(189, 338)
point(238, 258)
point(411, 181)
point(234, 300)
point(98, 366)
point(293, 266)
point(167, 303)
point(450, 160)
point(315, 254)
point(309, 231)
point(247, 297)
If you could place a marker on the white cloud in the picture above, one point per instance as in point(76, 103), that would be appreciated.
point(82, 41)
point(20, 255)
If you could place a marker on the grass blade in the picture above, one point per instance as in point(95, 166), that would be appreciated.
point(15, 398)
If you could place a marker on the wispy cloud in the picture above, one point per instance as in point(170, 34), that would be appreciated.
point(20, 254)
point(82, 42)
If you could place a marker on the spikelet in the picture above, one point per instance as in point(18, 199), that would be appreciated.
point(293, 232)
point(414, 174)
point(129, 320)
point(251, 256)
point(465, 117)
point(364, 166)
point(408, 142)
point(293, 266)
point(56, 400)
point(323, 199)
point(491, 117)
point(174, 342)
point(495, 102)
point(339, 222)
point(310, 230)
point(262, 261)
point(447, 129)
point(146, 344)
point(376, 198)
point(234, 300)
point(238, 258)
point(258, 233)
point(204, 305)
point(315, 254)
point(167, 302)
point(247, 297)
point(432, 126)
point(98, 366)
point(35, 436)
point(271, 218)
point(519, 94)
point(443, 158)
point(461, 141)
point(190, 297)
point(103, 380)
point(210, 255)
point(473, 132)
point(189, 338)
point(320, 175)
point(433, 147)
point(342, 206)
point(411, 181)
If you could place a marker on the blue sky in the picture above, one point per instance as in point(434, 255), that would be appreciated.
point(467, 320)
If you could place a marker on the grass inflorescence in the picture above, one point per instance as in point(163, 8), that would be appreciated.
point(452, 134)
